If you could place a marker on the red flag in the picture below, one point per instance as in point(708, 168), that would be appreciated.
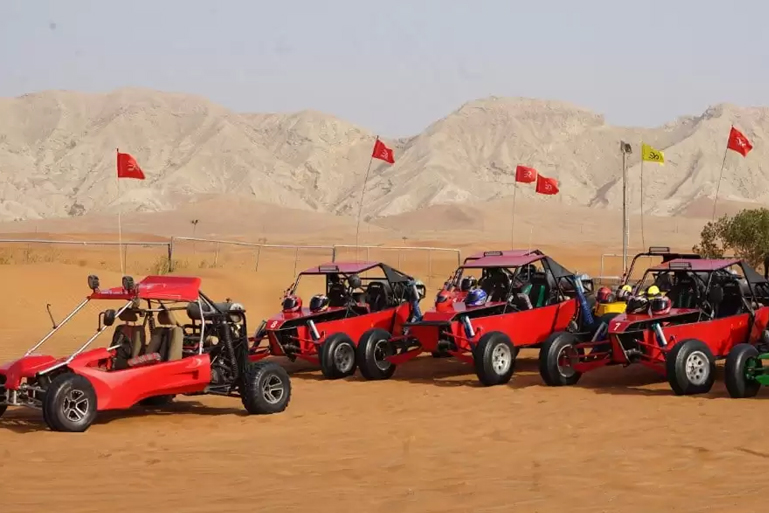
point(547, 185)
point(738, 142)
point(127, 167)
point(525, 174)
point(382, 152)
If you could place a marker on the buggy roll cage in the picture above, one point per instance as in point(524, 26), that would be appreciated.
point(663, 251)
point(391, 275)
point(202, 299)
point(752, 278)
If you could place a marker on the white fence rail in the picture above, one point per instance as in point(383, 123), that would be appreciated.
point(258, 247)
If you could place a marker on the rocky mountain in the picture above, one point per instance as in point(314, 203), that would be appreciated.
point(57, 156)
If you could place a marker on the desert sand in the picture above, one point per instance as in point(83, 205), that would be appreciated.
point(429, 440)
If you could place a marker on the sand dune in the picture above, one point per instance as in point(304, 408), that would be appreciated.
point(57, 153)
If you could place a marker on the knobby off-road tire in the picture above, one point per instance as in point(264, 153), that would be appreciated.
point(735, 371)
point(374, 345)
point(558, 345)
point(691, 367)
point(266, 388)
point(494, 358)
point(337, 357)
point(158, 400)
point(3, 407)
point(69, 403)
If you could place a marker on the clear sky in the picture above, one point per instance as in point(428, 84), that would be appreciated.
point(396, 66)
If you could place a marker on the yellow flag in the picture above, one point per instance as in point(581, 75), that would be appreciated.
point(649, 154)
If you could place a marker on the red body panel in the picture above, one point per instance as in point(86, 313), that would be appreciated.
point(25, 367)
point(525, 328)
point(390, 319)
point(171, 288)
point(120, 389)
point(720, 335)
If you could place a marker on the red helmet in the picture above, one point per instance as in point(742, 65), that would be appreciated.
point(660, 305)
point(604, 295)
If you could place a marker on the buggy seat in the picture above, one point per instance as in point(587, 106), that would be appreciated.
point(376, 296)
point(166, 342)
point(538, 290)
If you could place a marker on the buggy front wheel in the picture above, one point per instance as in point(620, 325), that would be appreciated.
point(556, 358)
point(266, 388)
point(337, 357)
point(69, 403)
point(739, 362)
point(691, 367)
point(494, 358)
point(374, 347)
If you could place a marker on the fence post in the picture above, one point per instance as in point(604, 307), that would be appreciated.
point(258, 253)
point(171, 256)
point(296, 259)
point(216, 255)
point(333, 253)
point(429, 266)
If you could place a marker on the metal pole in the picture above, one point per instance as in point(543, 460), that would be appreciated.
point(625, 220)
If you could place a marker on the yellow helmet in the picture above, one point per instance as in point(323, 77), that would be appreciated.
point(653, 291)
point(627, 288)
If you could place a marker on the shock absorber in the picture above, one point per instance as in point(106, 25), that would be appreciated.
point(659, 335)
point(587, 315)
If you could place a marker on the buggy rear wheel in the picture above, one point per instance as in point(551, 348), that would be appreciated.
point(69, 403)
point(266, 388)
point(337, 357)
point(691, 367)
point(556, 357)
point(740, 360)
point(494, 358)
point(3, 407)
point(374, 347)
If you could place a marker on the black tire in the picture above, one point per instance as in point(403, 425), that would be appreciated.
point(3, 407)
point(158, 400)
point(337, 357)
point(494, 358)
point(373, 346)
point(70, 403)
point(550, 353)
point(737, 383)
point(691, 367)
point(266, 388)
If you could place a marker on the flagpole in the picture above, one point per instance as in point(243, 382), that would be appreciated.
point(720, 174)
point(643, 237)
point(362, 192)
point(625, 221)
point(512, 230)
point(119, 221)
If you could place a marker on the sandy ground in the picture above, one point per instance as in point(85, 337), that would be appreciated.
point(428, 440)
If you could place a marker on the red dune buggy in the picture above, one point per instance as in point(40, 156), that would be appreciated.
point(359, 299)
point(710, 306)
point(529, 297)
point(206, 355)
